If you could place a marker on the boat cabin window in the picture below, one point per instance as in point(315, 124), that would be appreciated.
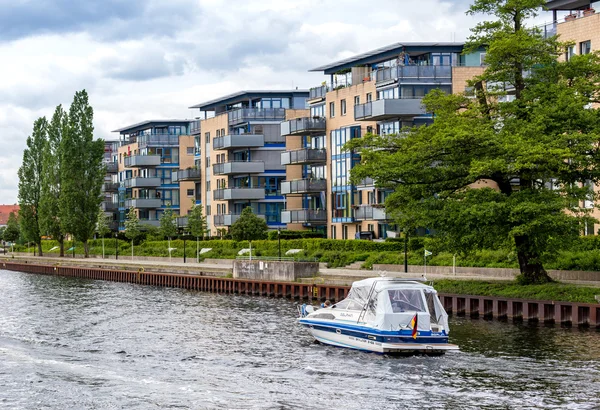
point(348, 304)
point(406, 300)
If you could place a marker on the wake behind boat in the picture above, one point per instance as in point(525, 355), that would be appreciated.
point(383, 315)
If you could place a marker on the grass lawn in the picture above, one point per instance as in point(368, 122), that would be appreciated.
point(550, 291)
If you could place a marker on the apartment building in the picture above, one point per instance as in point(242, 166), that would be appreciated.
point(156, 168)
point(577, 22)
point(110, 187)
point(241, 146)
point(375, 92)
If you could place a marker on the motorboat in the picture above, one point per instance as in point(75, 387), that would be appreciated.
point(383, 315)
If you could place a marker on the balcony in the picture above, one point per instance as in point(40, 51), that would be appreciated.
point(146, 203)
point(228, 219)
point(256, 114)
point(304, 216)
point(195, 127)
point(110, 206)
point(182, 221)
point(303, 126)
point(142, 161)
point(158, 140)
point(189, 174)
point(110, 187)
point(414, 73)
point(389, 109)
point(366, 183)
point(239, 141)
point(140, 182)
point(370, 213)
point(232, 194)
point(304, 156)
point(239, 167)
point(317, 92)
point(111, 167)
point(149, 222)
point(303, 186)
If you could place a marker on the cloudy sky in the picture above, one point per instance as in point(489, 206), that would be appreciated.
point(147, 59)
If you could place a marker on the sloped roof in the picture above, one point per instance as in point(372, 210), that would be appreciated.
point(5, 211)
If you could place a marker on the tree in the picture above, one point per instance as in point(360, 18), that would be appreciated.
point(132, 227)
point(168, 227)
point(82, 172)
point(51, 180)
point(249, 227)
point(197, 225)
point(102, 227)
point(489, 173)
point(30, 183)
point(12, 231)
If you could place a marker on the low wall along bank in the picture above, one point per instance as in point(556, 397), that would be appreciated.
point(581, 314)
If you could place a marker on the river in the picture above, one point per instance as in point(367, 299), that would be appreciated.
point(79, 344)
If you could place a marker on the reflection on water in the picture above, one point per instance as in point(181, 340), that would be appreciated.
point(80, 344)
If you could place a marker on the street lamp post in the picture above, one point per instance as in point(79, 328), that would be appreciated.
point(116, 245)
point(279, 241)
point(405, 251)
point(184, 249)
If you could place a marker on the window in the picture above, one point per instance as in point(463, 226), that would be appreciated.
point(585, 47)
point(218, 134)
point(207, 162)
point(482, 58)
point(190, 150)
point(207, 209)
point(343, 107)
point(331, 109)
point(207, 137)
point(190, 192)
point(369, 97)
point(333, 232)
point(223, 132)
point(345, 232)
point(356, 99)
point(207, 186)
point(317, 111)
point(570, 53)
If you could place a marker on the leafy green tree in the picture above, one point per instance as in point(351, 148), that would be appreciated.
point(82, 172)
point(102, 227)
point(12, 231)
point(197, 225)
point(51, 180)
point(168, 227)
point(132, 227)
point(30, 183)
point(249, 227)
point(532, 160)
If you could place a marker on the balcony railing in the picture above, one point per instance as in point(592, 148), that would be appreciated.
point(317, 92)
point(239, 141)
point(304, 156)
point(112, 167)
point(139, 182)
point(158, 140)
point(414, 72)
point(182, 221)
point(110, 187)
point(256, 114)
point(303, 126)
point(239, 167)
point(367, 182)
point(110, 206)
point(304, 216)
point(141, 161)
point(149, 222)
point(186, 175)
point(229, 219)
point(147, 203)
point(303, 186)
point(389, 108)
point(229, 194)
point(369, 212)
point(195, 127)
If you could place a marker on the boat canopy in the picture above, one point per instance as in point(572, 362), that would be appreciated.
point(390, 303)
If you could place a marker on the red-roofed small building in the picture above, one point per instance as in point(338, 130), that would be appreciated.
point(5, 211)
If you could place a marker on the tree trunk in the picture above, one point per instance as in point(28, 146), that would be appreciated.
point(86, 249)
point(61, 244)
point(39, 245)
point(532, 270)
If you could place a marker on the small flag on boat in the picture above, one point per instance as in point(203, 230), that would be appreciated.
point(427, 253)
point(414, 325)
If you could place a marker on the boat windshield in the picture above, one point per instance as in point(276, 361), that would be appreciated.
point(406, 300)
